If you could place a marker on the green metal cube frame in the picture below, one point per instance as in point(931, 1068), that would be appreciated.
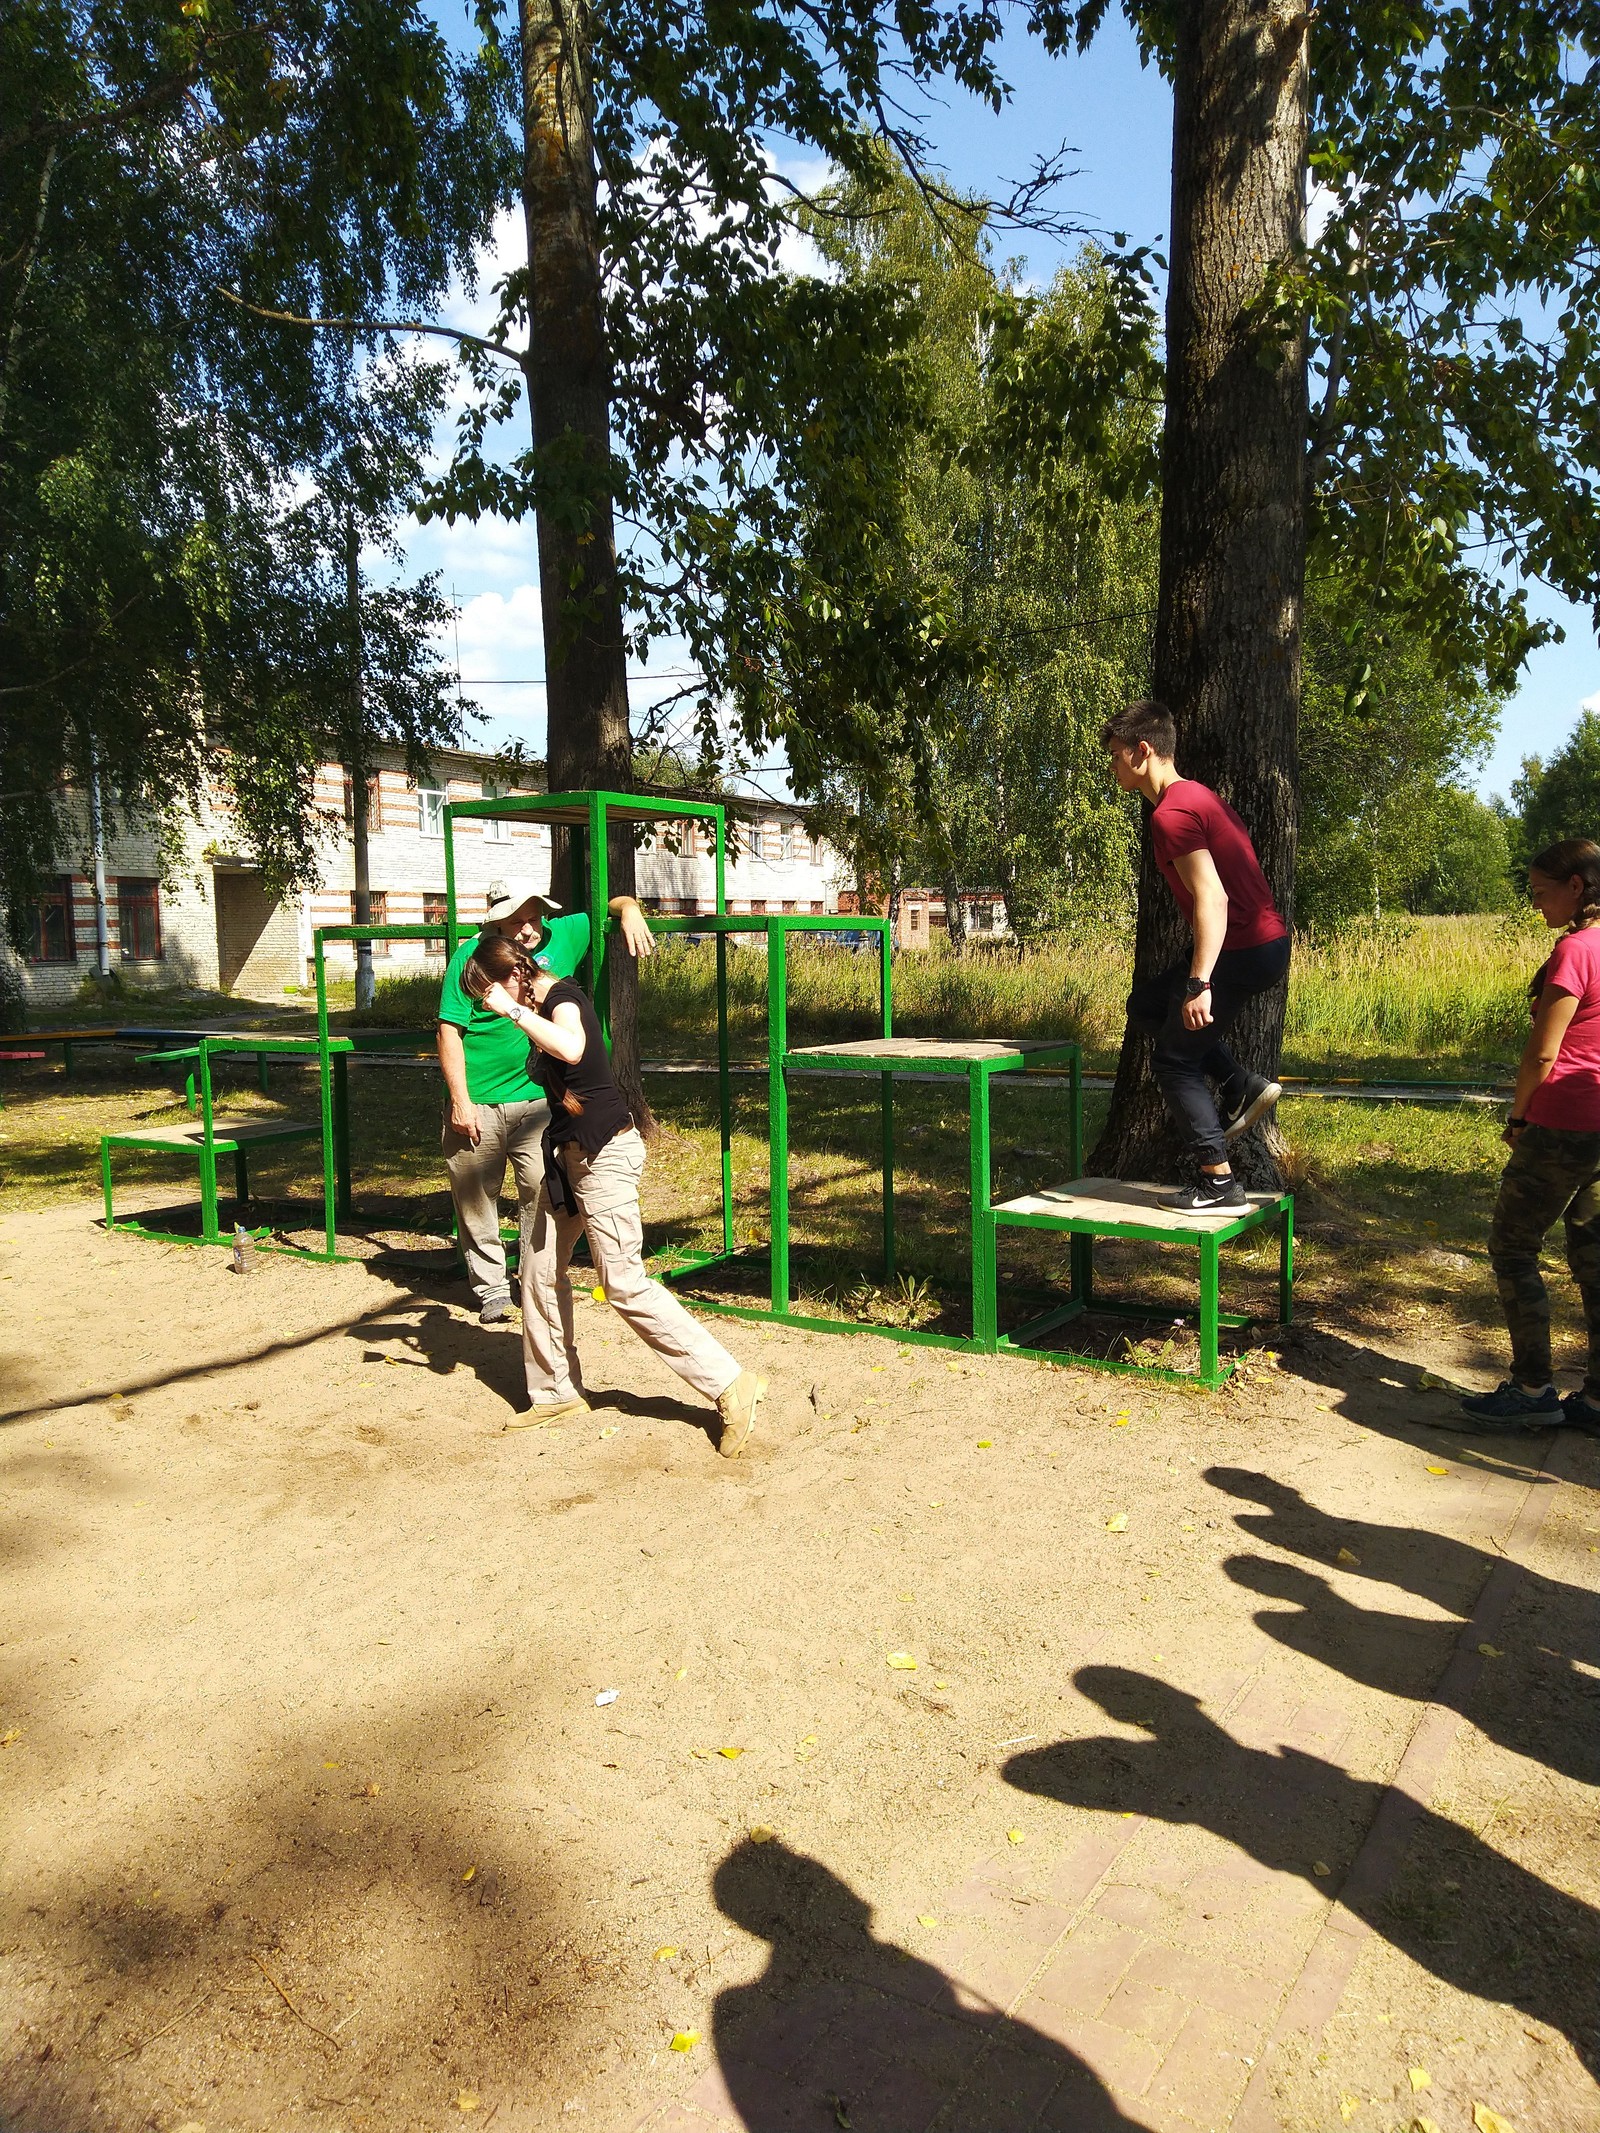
point(1081, 1298)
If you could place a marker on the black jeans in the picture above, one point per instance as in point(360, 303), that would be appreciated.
point(1186, 1059)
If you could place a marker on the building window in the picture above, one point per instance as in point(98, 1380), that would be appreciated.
point(758, 903)
point(53, 939)
point(814, 850)
point(817, 908)
point(496, 830)
point(435, 912)
point(139, 920)
point(379, 900)
point(789, 904)
point(374, 802)
point(430, 811)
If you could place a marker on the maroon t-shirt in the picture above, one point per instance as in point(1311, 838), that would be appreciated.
point(1190, 818)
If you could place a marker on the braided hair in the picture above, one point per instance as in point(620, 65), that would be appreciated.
point(491, 963)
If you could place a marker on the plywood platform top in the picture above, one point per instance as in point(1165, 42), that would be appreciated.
point(226, 1133)
point(1107, 1202)
point(957, 1050)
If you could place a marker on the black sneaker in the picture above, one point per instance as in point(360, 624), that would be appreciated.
point(1578, 1411)
point(1208, 1195)
point(1511, 1407)
point(1258, 1099)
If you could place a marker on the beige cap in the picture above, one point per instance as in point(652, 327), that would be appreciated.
point(506, 897)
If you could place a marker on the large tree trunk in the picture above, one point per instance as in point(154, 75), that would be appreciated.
point(568, 366)
point(1227, 649)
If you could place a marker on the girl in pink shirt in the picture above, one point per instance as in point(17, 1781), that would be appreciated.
point(1554, 1137)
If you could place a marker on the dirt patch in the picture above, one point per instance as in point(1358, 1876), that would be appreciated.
point(311, 1807)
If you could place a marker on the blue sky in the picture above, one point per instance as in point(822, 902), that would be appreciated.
point(1115, 117)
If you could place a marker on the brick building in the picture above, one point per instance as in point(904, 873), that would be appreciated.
point(211, 922)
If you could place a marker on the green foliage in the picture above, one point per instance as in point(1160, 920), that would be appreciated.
point(164, 591)
point(1560, 798)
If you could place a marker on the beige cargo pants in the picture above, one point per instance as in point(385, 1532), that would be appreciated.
point(606, 1188)
point(507, 1133)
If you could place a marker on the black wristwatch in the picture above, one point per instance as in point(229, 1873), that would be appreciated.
point(1516, 1121)
point(1195, 987)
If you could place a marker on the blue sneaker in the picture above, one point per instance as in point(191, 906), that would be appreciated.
point(1578, 1411)
point(1510, 1407)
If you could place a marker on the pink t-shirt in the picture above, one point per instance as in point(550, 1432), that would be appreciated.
point(1569, 1095)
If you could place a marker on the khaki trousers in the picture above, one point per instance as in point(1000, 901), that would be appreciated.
point(507, 1133)
point(606, 1188)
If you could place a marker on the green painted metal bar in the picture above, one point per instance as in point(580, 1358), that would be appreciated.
point(263, 1073)
point(66, 1056)
point(778, 1113)
point(330, 1179)
point(208, 1153)
point(1286, 1266)
point(886, 1099)
point(105, 1180)
point(1152, 1313)
point(1210, 1306)
point(985, 1303)
point(241, 1180)
point(1080, 1252)
point(1143, 1232)
point(1149, 1373)
point(1046, 1322)
point(452, 917)
point(1075, 1124)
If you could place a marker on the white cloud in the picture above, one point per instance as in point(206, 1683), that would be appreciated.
point(1591, 703)
point(502, 637)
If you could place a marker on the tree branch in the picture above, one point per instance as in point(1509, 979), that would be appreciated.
point(376, 325)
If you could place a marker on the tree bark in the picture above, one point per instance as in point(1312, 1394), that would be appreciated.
point(1227, 644)
point(360, 824)
point(568, 369)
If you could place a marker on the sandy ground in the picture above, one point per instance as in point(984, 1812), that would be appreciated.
point(311, 1814)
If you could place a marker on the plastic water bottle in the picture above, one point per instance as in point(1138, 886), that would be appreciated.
point(244, 1249)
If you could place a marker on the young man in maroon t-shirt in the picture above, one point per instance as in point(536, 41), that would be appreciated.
point(1240, 948)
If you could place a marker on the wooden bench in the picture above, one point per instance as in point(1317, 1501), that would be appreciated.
point(1116, 1207)
point(208, 1137)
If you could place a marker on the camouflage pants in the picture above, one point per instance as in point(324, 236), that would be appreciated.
point(1552, 1175)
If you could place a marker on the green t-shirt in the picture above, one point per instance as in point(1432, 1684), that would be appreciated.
point(498, 1055)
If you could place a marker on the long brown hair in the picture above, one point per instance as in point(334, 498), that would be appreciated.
point(493, 961)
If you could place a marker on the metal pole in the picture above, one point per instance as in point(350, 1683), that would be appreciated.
point(325, 1089)
point(724, 1080)
point(886, 1103)
point(360, 851)
point(97, 842)
point(983, 1240)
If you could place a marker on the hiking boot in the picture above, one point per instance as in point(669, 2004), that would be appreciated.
point(495, 1310)
point(1208, 1195)
point(1511, 1407)
point(1258, 1099)
point(1580, 1412)
point(737, 1407)
point(550, 1411)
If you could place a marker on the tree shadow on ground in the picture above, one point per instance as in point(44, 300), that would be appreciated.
point(1482, 1923)
point(845, 2029)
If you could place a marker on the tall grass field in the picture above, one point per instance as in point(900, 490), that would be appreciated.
point(1438, 998)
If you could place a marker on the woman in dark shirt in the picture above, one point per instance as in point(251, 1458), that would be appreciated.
point(594, 1158)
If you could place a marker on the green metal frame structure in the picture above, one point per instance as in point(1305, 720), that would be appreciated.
point(1208, 1237)
point(206, 1145)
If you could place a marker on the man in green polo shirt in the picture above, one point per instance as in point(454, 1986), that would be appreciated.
point(496, 1112)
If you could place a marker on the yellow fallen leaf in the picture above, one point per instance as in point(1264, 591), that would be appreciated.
point(1348, 1555)
point(667, 1950)
point(681, 1673)
point(610, 1430)
point(952, 1366)
point(903, 1661)
point(470, 1874)
point(1016, 1836)
point(1438, 1470)
point(1321, 1867)
point(1488, 2121)
point(986, 1444)
point(1489, 1651)
point(923, 1919)
point(941, 1684)
point(1348, 2107)
point(760, 1834)
point(1419, 2078)
point(598, 1293)
point(1421, 2124)
point(685, 2040)
point(1123, 1421)
point(333, 1766)
point(1117, 1523)
point(467, 2100)
point(733, 1754)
